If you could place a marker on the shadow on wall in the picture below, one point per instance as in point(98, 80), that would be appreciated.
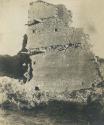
point(15, 66)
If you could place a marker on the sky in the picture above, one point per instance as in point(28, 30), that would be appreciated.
point(87, 14)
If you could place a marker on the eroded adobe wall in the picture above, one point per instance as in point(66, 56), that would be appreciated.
point(71, 69)
point(43, 10)
point(57, 70)
point(53, 27)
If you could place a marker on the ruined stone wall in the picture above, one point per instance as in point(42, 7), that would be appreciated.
point(36, 10)
point(53, 28)
point(42, 10)
point(71, 69)
point(59, 70)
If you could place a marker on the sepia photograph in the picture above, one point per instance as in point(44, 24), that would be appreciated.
point(51, 62)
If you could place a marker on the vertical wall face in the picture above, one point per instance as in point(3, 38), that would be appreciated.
point(53, 25)
point(51, 31)
point(43, 10)
point(57, 70)
point(71, 69)
point(40, 10)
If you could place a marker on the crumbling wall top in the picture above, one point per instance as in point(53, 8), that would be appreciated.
point(43, 10)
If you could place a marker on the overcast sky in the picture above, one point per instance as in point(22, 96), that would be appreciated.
point(88, 14)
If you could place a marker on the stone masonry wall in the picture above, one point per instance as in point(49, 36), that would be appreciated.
point(59, 70)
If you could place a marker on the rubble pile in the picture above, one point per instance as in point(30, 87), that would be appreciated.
point(29, 96)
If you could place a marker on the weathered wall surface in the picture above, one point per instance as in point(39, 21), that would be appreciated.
point(72, 69)
point(59, 70)
point(43, 10)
